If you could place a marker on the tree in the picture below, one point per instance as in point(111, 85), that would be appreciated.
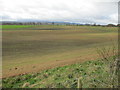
point(110, 25)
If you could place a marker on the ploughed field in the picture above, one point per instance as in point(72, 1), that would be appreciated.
point(33, 48)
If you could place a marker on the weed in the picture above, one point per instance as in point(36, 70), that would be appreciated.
point(105, 53)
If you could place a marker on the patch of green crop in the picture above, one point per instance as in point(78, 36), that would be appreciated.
point(9, 27)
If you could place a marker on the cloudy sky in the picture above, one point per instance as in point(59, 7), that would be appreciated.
point(78, 11)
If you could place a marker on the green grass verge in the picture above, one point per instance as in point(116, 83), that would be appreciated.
point(94, 74)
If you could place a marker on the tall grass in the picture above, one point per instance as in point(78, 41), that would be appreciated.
point(105, 53)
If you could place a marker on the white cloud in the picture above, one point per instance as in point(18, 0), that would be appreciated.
point(83, 11)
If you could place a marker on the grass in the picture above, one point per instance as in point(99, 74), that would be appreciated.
point(93, 74)
point(48, 46)
point(8, 27)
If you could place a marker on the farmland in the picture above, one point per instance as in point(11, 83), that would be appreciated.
point(15, 26)
point(29, 49)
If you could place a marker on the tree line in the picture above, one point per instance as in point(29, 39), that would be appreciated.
point(53, 23)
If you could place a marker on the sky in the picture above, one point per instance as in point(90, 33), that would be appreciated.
point(75, 11)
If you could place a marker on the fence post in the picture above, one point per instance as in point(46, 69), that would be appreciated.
point(80, 83)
